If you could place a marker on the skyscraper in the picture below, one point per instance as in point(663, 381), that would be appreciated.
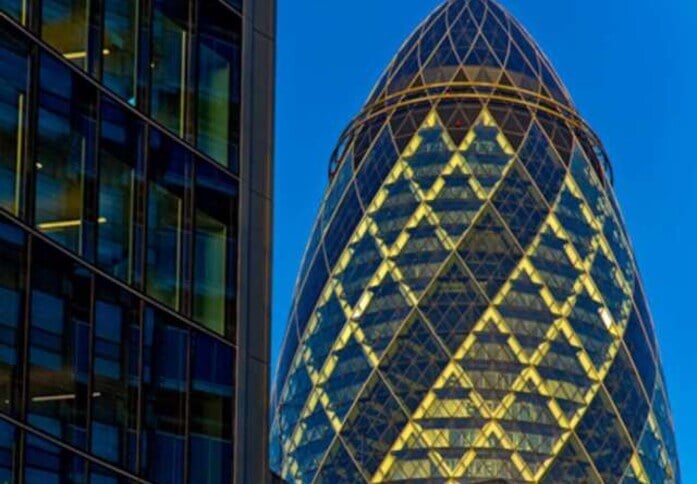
point(469, 308)
point(135, 207)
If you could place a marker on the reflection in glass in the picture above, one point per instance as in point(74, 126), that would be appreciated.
point(13, 69)
point(164, 394)
point(168, 173)
point(64, 26)
point(215, 262)
point(119, 49)
point(59, 345)
point(121, 136)
point(65, 143)
point(168, 63)
point(12, 259)
point(116, 376)
point(16, 9)
point(211, 410)
point(219, 84)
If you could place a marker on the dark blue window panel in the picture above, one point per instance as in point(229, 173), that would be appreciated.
point(463, 32)
point(365, 136)
point(430, 158)
point(344, 223)
point(45, 462)
point(211, 410)
point(414, 363)
point(623, 386)
point(9, 441)
point(405, 123)
point(650, 449)
point(485, 156)
point(287, 353)
point(543, 164)
point(406, 73)
point(457, 205)
point(602, 434)
point(349, 375)
point(441, 67)
point(620, 249)
point(339, 467)
point(373, 426)
point(337, 188)
point(645, 316)
point(585, 177)
point(586, 322)
point(661, 408)
point(571, 465)
point(497, 36)
point(558, 132)
point(375, 167)
point(315, 440)
point(432, 34)
point(421, 257)
point(604, 272)
point(316, 279)
point(384, 314)
point(638, 347)
point(480, 54)
point(490, 252)
point(331, 320)
point(293, 400)
point(520, 206)
point(313, 250)
point(12, 263)
point(514, 122)
point(365, 260)
point(555, 267)
point(393, 215)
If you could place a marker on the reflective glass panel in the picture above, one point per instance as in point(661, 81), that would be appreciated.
point(64, 152)
point(64, 26)
point(59, 345)
point(168, 175)
point(219, 83)
point(211, 411)
point(116, 375)
point(119, 49)
point(168, 63)
point(12, 260)
point(14, 65)
point(15, 8)
point(215, 260)
point(9, 446)
point(49, 464)
point(121, 136)
point(165, 348)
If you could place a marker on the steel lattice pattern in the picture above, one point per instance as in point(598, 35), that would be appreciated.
point(469, 307)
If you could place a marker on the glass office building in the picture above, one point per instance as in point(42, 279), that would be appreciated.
point(469, 308)
point(135, 210)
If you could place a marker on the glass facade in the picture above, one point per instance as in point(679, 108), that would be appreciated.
point(469, 308)
point(134, 240)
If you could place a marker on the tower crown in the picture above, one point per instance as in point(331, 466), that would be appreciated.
point(471, 42)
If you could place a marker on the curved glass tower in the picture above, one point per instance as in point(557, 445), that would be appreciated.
point(469, 307)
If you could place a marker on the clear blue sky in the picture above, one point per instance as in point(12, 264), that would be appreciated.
point(630, 67)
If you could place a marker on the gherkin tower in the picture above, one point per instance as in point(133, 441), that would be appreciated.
point(469, 307)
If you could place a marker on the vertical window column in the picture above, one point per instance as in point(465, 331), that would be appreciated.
point(14, 68)
point(119, 49)
point(59, 345)
point(120, 146)
point(168, 63)
point(169, 177)
point(64, 154)
point(219, 66)
point(64, 25)
point(215, 250)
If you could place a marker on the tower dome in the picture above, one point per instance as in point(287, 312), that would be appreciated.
point(469, 306)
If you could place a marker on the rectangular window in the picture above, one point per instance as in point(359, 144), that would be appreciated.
point(212, 410)
point(64, 25)
point(59, 345)
point(116, 376)
point(65, 152)
point(121, 138)
point(168, 63)
point(14, 66)
point(215, 258)
point(219, 63)
point(165, 354)
point(168, 176)
point(119, 49)
point(12, 260)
